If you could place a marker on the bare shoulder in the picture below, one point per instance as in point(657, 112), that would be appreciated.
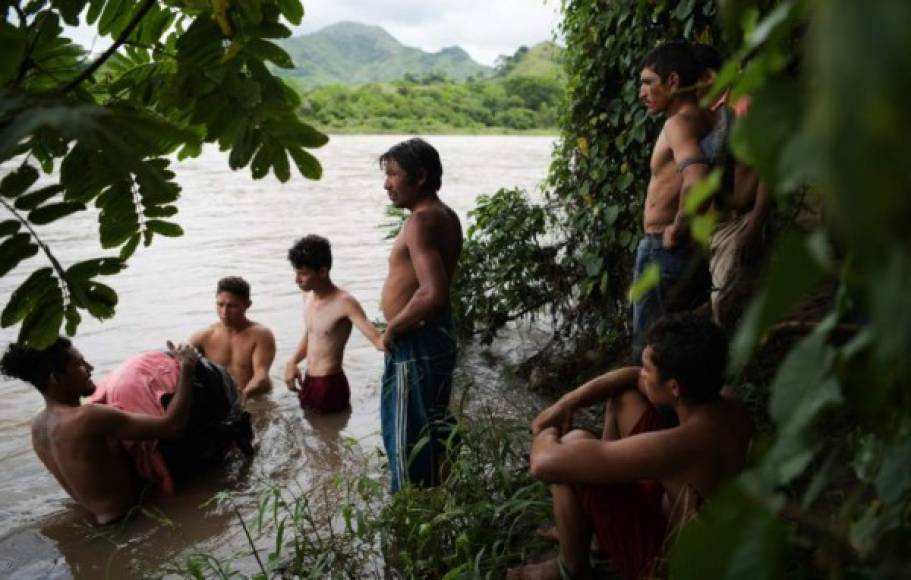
point(347, 300)
point(683, 125)
point(261, 333)
point(201, 337)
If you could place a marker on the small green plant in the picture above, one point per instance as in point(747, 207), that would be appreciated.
point(480, 521)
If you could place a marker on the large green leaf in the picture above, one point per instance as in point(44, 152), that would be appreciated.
point(164, 228)
point(90, 268)
point(792, 273)
point(12, 46)
point(18, 181)
point(35, 198)
point(307, 164)
point(27, 295)
point(293, 10)
point(734, 538)
point(894, 480)
point(101, 300)
point(9, 227)
point(41, 325)
point(52, 212)
point(15, 249)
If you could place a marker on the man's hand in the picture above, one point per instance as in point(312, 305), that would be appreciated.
point(558, 416)
point(676, 234)
point(388, 338)
point(380, 344)
point(293, 376)
point(184, 354)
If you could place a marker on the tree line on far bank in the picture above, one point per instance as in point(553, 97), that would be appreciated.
point(434, 104)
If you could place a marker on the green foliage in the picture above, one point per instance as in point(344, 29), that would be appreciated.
point(828, 494)
point(475, 525)
point(599, 173)
point(178, 75)
point(432, 103)
point(515, 279)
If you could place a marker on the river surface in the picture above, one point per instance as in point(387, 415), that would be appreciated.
point(237, 226)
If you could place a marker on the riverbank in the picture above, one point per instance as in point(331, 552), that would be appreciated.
point(444, 130)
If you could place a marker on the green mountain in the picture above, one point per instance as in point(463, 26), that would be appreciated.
point(541, 60)
point(349, 53)
point(524, 95)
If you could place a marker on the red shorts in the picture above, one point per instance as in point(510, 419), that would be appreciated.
point(328, 394)
point(627, 518)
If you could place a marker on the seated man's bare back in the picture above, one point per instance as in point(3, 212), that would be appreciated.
point(81, 444)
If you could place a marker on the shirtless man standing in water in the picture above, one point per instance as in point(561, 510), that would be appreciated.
point(419, 340)
point(81, 444)
point(667, 86)
point(329, 313)
point(244, 347)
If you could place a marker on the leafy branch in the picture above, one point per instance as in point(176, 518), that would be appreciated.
point(121, 38)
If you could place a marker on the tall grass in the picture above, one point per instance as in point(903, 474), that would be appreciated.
point(479, 522)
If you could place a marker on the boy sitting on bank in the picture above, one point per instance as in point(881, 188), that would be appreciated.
point(329, 313)
point(626, 487)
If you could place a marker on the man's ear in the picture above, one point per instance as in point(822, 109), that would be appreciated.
point(674, 386)
point(673, 82)
point(422, 179)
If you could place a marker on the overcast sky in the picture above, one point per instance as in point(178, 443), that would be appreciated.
point(485, 28)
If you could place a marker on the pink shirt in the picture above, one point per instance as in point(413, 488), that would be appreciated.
point(136, 386)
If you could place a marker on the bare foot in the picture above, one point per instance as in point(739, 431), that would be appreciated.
point(549, 570)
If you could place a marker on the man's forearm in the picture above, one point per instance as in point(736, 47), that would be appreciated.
point(179, 409)
point(260, 383)
point(423, 305)
point(601, 388)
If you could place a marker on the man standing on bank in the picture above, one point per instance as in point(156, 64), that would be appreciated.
point(419, 339)
point(668, 86)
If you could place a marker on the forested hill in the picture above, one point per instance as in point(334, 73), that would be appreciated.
point(523, 95)
point(349, 53)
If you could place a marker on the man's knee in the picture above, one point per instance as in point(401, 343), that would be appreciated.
point(577, 435)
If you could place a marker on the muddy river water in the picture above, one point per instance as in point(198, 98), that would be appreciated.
point(237, 226)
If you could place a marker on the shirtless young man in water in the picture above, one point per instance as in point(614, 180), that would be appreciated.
point(329, 313)
point(667, 86)
point(81, 444)
point(246, 348)
point(419, 340)
point(640, 479)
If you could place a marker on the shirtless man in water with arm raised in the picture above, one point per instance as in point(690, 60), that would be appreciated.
point(667, 86)
point(246, 348)
point(329, 313)
point(419, 340)
point(81, 444)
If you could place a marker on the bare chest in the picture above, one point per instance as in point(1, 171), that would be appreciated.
point(325, 320)
point(225, 348)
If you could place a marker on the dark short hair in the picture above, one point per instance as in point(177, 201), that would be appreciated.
point(35, 366)
point(417, 158)
point(691, 348)
point(235, 285)
point(675, 56)
point(706, 57)
point(311, 251)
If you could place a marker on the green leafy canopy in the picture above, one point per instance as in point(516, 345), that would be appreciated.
point(177, 75)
